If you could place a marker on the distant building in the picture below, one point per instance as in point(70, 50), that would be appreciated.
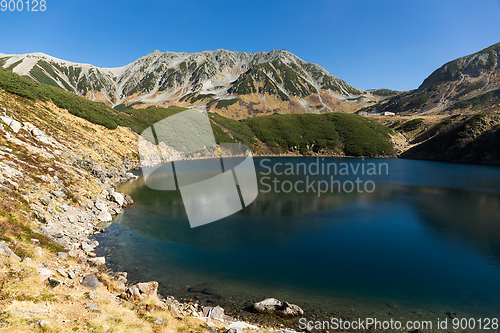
point(389, 114)
point(363, 113)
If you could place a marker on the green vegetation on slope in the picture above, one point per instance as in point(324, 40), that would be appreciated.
point(411, 125)
point(482, 101)
point(97, 113)
point(226, 102)
point(385, 92)
point(304, 133)
point(300, 133)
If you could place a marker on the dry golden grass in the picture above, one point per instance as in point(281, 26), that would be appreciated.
point(64, 306)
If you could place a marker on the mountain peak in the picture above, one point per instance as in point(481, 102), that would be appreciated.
point(259, 83)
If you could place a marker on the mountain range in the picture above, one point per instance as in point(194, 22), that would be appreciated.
point(238, 85)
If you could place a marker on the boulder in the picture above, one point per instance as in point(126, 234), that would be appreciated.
point(91, 282)
point(128, 199)
point(58, 194)
point(6, 252)
point(86, 247)
point(62, 272)
point(62, 255)
point(104, 216)
point(100, 205)
point(132, 294)
point(44, 273)
point(118, 198)
point(240, 325)
point(91, 306)
point(120, 286)
point(53, 231)
point(160, 321)
point(130, 175)
point(53, 282)
point(276, 307)
point(72, 219)
point(97, 261)
point(14, 124)
point(149, 289)
point(44, 201)
point(213, 312)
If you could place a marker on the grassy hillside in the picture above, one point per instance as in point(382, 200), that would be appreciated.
point(334, 133)
point(461, 138)
point(94, 112)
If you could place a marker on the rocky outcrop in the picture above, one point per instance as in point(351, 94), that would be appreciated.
point(141, 291)
point(275, 307)
point(7, 253)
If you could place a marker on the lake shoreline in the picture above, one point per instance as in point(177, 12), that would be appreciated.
point(441, 313)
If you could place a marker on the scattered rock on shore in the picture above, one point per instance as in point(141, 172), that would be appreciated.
point(140, 291)
point(275, 307)
point(91, 282)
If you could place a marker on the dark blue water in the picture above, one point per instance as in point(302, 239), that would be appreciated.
point(424, 242)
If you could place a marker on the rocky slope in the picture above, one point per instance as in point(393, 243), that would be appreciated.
point(462, 139)
point(235, 84)
point(453, 83)
point(57, 179)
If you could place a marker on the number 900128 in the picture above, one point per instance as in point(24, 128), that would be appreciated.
point(26, 5)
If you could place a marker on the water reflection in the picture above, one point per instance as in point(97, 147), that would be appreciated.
point(426, 235)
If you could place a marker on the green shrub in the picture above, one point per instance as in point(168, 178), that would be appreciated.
point(226, 102)
point(411, 125)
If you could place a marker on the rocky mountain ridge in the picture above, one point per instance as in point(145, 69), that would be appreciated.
point(450, 86)
point(235, 84)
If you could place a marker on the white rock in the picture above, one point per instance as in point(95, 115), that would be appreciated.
point(239, 325)
point(104, 217)
point(44, 273)
point(38, 252)
point(100, 205)
point(97, 261)
point(62, 273)
point(72, 219)
point(86, 247)
point(118, 198)
point(5, 251)
point(14, 124)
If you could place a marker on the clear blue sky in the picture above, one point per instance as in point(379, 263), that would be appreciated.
point(370, 44)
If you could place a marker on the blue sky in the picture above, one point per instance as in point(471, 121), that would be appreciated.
point(370, 44)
